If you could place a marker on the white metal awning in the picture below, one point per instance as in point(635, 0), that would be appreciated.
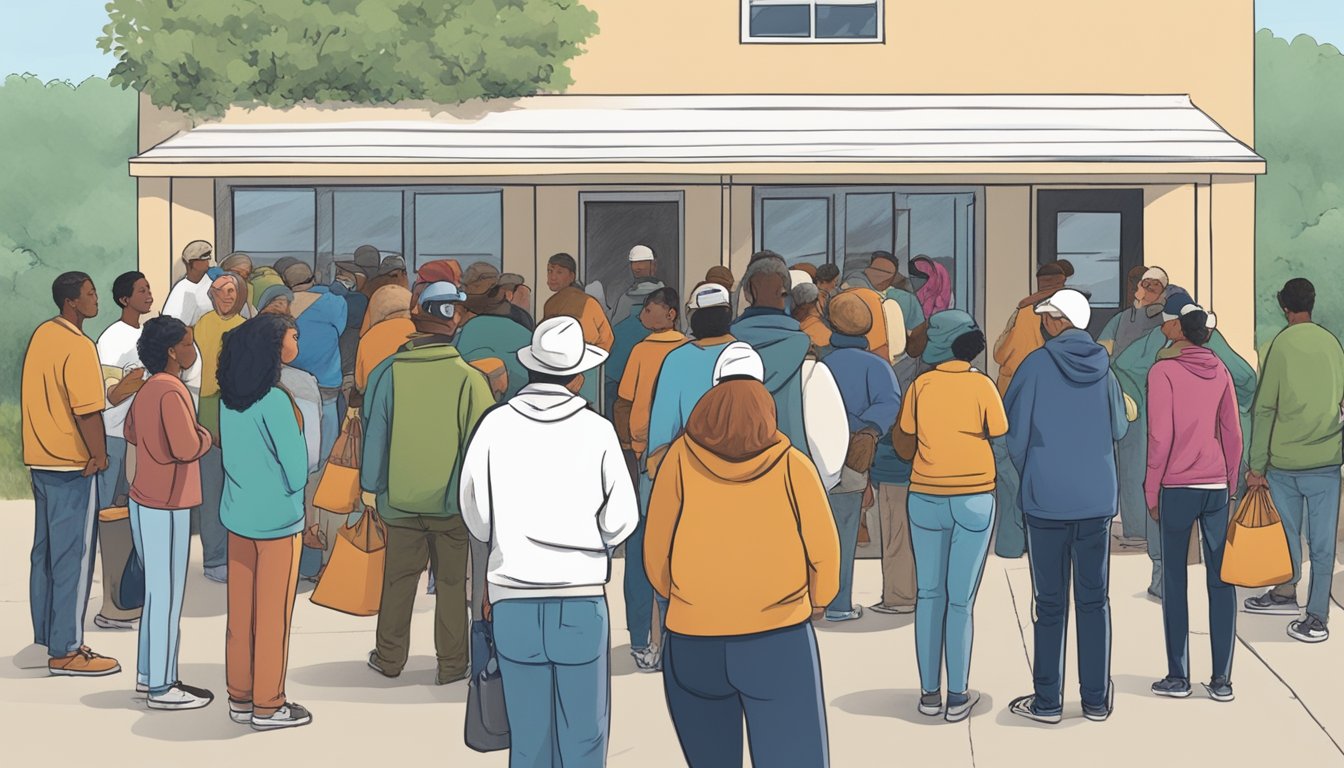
point(719, 134)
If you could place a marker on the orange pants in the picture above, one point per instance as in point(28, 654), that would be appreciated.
point(263, 579)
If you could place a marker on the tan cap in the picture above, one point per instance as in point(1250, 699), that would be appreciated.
point(479, 271)
point(850, 315)
point(197, 250)
point(297, 274)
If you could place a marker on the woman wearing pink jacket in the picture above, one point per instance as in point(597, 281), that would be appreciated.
point(1194, 459)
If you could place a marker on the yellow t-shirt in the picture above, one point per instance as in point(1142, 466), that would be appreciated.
point(210, 330)
point(953, 412)
point(62, 379)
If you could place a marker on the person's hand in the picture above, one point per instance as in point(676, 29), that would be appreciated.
point(129, 384)
point(1153, 513)
point(95, 465)
point(312, 538)
point(370, 500)
point(868, 498)
point(1256, 480)
point(1131, 409)
point(486, 611)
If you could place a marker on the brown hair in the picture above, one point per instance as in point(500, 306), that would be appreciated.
point(735, 420)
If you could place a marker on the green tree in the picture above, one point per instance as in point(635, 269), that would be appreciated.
point(201, 56)
point(1299, 231)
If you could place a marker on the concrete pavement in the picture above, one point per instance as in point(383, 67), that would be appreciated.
point(1287, 707)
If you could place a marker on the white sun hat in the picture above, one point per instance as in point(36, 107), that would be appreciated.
point(738, 359)
point(641, 253)
point(557, 349)
point(1070, 305)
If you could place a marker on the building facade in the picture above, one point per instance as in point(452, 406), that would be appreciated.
point(988, 136)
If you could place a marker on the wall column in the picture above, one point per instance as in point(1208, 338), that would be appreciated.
point(1008, 259)
point(1232, 262)
point(193, 218)
point(153, 225)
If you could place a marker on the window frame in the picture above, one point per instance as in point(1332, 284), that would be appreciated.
point(746, 38)
point(1128, 201)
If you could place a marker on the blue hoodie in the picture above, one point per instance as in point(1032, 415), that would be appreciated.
point(782, 345)
point(1065, 413)
point(868, 385)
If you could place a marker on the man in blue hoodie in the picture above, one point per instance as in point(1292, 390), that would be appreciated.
point(1065, 414)
point(778, 339)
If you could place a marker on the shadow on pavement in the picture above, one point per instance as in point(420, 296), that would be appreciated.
point(29, 662)
point(901, 704)
point(871, 621)
point(360, 684)
point(204, 598)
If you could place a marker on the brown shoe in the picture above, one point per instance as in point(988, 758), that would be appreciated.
point(83, 663)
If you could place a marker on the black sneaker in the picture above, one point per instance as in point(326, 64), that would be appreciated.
point(291, 715)
point(1172, 687)
point(1309, 630)
point(1025, 706)
point(1101, 714)
point(181, 697)
point(1272, 605)
point(1220, 689)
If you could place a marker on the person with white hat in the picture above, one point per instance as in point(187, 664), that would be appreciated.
point(189, 298)
point(544, 484)
point(644, 269)
point(1065, 414)
point(742, 647)
point(626, 327)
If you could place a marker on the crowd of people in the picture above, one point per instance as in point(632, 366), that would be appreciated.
point(520, 456)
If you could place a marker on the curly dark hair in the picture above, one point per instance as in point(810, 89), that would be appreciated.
point(249, 363)
point(969, 345)
point(157, 337)
point(710, 322)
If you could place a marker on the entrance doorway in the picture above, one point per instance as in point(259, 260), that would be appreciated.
point(1100, 231)
point(611, 223)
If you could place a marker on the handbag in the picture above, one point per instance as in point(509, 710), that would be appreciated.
point(1257, 547)
point(487, 722)
point(862, 451)
point(353, 579)
point(338, 490)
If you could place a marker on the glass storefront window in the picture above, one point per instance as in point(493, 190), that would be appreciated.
point(797, 229)
point(270, 224)
point(467, 226)
point(366, 217)
point(1091, 242)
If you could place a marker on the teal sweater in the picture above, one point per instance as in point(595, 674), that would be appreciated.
point(265, 468)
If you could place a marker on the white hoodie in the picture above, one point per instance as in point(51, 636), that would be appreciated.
point(545, 483)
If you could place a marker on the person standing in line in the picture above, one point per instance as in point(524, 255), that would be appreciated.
point(551, 519)
point(742, 647)
point(778, 339)
point(62, 399)
point(1296, 453)
point(828, 283)
point(487, 331)
point(950, 416)
point(241, 265)
point(190, 297)
point(389, 329)
point(1022, 337)
point(265, 471)
point(644, 270)
point(807, 311)
point(883, 275)
point(633, 406)
point(124, 375)
point(872, 400)
point(891, 479)
point(390, 271)
point(626, 328)
point(570, 300)
point(1194, 459)
point(227, 295)
point(421, 407)
point(161, 425)
point(1065, 415)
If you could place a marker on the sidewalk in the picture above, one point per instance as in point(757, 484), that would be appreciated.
point(1287, 706)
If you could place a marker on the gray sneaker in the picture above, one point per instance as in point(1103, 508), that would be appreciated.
point(959, 705)
point(1172, 687)
point(931, 704)
point(853, 614)
point(103, 622)
point(1220, 689)
point(892, 610)
point(1309, 630)
point(1272, 605)
point(290, 715)
point(1025, 706)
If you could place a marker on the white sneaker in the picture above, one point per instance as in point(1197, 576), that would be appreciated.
point(240, 713)
point(181, 697)
point(102, 622)
point(289, 716)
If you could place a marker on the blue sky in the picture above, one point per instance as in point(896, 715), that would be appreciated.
point(54, 39)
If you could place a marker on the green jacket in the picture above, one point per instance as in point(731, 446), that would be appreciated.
point(488, 336)
point(265, 468)
point(1296, 415)
point(421, 407)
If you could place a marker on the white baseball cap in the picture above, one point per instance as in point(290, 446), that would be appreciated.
point(1068, 304)
point(641, 253)
point(557, 349)
point(709, 295)
point(1157, 273)
point(738, 359)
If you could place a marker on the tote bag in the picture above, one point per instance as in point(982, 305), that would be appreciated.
point(353, 580)
point(338, 490)
point(1257, 547)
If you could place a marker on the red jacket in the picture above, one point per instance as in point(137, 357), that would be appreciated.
point(168, 445)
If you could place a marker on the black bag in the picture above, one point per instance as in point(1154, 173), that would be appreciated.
point(487, 725)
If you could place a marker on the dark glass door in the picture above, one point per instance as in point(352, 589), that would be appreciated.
point(1100, 231)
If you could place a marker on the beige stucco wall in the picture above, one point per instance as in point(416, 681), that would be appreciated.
point(154, 239)
point(1169, 231)
point(193, 217)
point(1009, 257)
point(1233, 296)
point(1201, 47)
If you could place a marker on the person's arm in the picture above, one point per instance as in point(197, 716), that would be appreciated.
point(1229, 429)
point(284, 437)
point(377, 417)
point(816, 525)
point(629, 391)
point(903, 438)
point(1264, 412)
point(474, 497)
point(884, 404)
point(127, 386)
point(996, 418)
point(1161, 433)
point(187, 441)
point(1002, 346)
point(665, 503)
point(1119, 412)
point(664, 421)
point(475, 399)
point(619, 514)
point(83, 376)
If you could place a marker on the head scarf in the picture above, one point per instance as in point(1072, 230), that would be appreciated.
point(944, 328)
point(936, 293)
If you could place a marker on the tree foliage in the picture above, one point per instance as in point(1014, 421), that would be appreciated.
point(201, 56)
point(1300, 201)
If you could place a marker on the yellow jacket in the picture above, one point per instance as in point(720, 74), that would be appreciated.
point(639, 378)
point(1021, 338)
point(572, 301)
point(953, 412)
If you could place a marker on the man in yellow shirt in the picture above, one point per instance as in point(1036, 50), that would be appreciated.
point(570, 300)
point(62, 400)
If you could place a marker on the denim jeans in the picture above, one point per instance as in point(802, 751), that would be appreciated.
point(1010, 537)
point(638, 590)
point(951, 541)
point(113, 482)
point(1058, 548)
point(1181, 509)
point(1310, 497)
point(1131, 459)
point(772, 678)
point(64, 534)
point(554, 661)
point(163, 542)
point(847, 509)
point(214, 536)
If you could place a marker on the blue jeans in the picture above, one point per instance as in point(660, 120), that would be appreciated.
point(64, 533)
point(638, 590)
point(950, 536)
point(1309, 496)
point(1058, 548)
point(1131, 460)
point(553, 659)
point(1010, 537)
point(1181, 509)
point(113, 481)
point(772, 678)
point(214, 536)
point(163, 542)
point(847, 510)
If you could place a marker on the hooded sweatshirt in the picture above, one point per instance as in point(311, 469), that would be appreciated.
point(1194, 433)
point(1065, 413)
point(544, 482)
point(733, 478)
point(868, 385)
point(634, 297)
point(685, 376)
point(782, 345)
point(497, 336)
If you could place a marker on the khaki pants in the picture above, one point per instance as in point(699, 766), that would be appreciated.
point(263, 579)
point(898, 556)
point(413, 544)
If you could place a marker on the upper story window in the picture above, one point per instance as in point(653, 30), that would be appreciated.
point(811, 21)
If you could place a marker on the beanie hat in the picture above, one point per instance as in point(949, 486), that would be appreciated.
point(944, 328)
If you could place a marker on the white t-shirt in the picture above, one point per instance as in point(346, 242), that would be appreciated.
point(189, 301)
point(116, 349)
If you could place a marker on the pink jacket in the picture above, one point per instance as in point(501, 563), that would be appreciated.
point(1194, 434)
